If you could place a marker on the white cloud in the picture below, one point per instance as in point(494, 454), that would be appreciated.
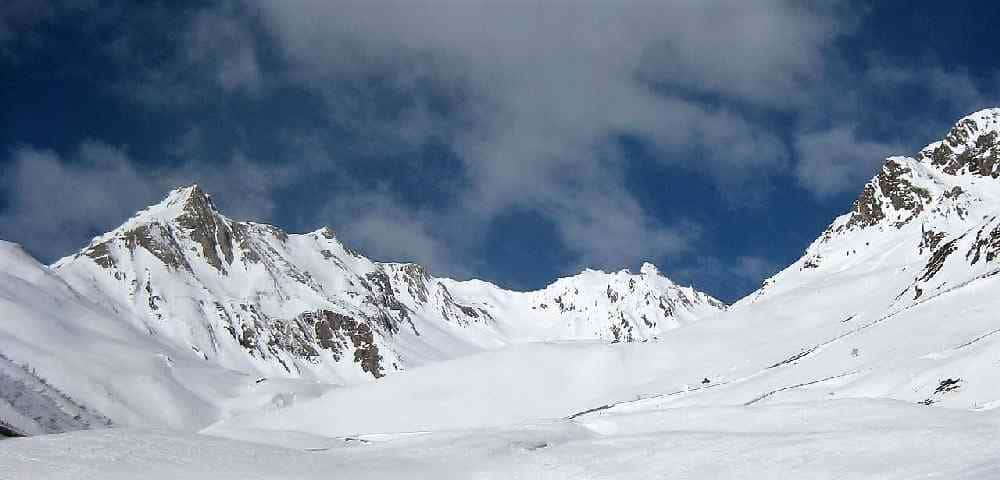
point(56, 204)
point(386, 230)
point(530, 96)
point(222, 40)
point(836, 160)
point(198, 54)
point(542, 88)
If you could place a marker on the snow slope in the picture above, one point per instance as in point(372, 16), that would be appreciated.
point(908, 356)
point(96, 367)
point(843, 439)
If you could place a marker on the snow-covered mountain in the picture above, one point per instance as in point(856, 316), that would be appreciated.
point(252, 297)
point(880, 346)
point(933, 216)
point(897, 299)
point(189, 286)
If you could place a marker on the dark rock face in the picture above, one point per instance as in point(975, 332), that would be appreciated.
point(383, 296)
point(812, 262)
point(667, 306)
point(930, 240)
point(415, 277)
point(101, 255)
point(867, 210)
point(158, 240)
point(337, 333)
point(155, 238)
point(981, 157)
point(892, 184)
point(206, 227)
point(612, 295)
point(241, 233)
point(986, 245)
point(948, 385)
point(937, 260)
point(621, 330)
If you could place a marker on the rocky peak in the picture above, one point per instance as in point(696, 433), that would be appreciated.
point(304, 302)
point(165, 230)
point(186, 201)
point(907, 187)
point(194, 202)
point(970, 147)
point(891, 191)
point(326, 232)
point(649, 269)
point(206, 226)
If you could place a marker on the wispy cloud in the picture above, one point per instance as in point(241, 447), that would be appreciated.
point(836, 160)
point(529, 101)
point(56, 203)
point(536, 93)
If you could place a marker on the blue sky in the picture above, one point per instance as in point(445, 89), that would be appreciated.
point(512, 141)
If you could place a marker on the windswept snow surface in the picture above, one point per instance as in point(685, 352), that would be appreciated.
point(840, 439)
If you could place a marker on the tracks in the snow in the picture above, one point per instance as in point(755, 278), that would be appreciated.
point(799, 385)
point(802, 355)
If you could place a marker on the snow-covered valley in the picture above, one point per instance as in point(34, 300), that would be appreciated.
point(224, 349)
point(836, 440)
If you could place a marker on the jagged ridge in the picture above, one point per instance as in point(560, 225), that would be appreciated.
point(251, 296)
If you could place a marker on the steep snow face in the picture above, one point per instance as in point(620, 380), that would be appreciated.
point(251, 297)
point(928, 223)
point(903, 287)
point(68, 363)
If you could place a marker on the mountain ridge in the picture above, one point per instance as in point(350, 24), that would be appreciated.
point(303, 302)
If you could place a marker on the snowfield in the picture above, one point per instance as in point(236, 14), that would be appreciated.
point(221, 349)
point(839, 439)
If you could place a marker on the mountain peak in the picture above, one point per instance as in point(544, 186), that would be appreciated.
point(188, 198)
point(187, 205)
point(984, 117)
point(906, 187)
point(188, 209)
point(325, 232)
point(649, 269)
point(187, 190)
point(971, 146)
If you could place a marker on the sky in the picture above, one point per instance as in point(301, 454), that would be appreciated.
point(514, 141)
